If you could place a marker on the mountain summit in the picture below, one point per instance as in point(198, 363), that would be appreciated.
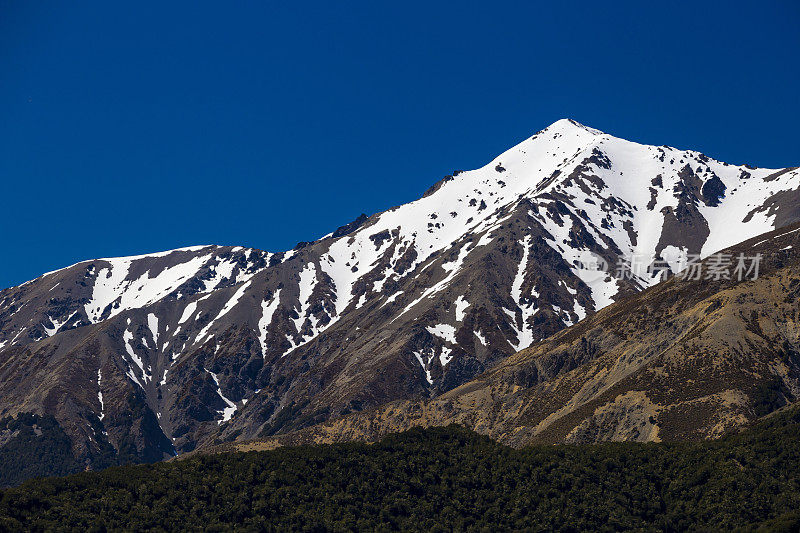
point(159, 354)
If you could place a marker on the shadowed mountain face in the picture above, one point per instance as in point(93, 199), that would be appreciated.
point(684, 360)
point(163, 353)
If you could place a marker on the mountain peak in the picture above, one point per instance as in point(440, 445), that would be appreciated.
point(567, 124)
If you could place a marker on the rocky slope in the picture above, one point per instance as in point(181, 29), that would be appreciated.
point(162, 353)
point(684, 360)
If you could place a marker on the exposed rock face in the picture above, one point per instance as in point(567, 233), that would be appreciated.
point(163, 353)
point(684, 360)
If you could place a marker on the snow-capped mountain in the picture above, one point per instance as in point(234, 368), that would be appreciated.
point(169, 351)
point(688, 359)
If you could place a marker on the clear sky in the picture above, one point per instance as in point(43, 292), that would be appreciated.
point(127, 129)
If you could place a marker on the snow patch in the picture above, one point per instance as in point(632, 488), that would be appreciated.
point(227, 412)
point(461, 306)
point(113, 288)
point(127, 337)
point(443, 331)
point(676, 257)
point(56, 325)
point(152, 323)
point(229, 305)
point(268, 309)
point(444, 356)
point(100, 394)
point(425, 366)
point(528, 308)
point(392, 298)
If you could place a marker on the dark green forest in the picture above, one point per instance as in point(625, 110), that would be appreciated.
point(33, 446)
point(439, 479)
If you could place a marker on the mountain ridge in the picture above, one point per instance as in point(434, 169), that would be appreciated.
point(359, 221)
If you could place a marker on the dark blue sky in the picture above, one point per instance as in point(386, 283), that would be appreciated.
point(138, 128)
